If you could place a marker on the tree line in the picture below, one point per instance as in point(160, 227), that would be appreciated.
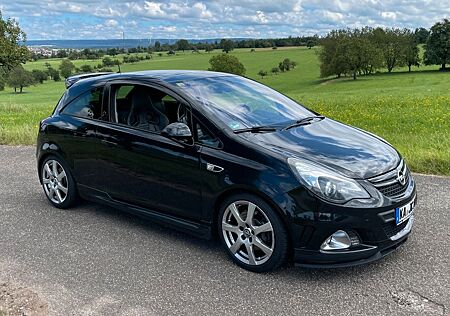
point(225, 45)
point(362, 51)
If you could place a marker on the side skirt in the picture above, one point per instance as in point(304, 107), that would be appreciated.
point(191, 227)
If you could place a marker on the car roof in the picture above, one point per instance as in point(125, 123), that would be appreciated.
point(168, 76)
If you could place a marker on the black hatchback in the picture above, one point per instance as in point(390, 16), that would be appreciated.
point(215, 154)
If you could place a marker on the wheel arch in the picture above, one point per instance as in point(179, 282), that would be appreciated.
point(46, 151)
point(239, 190)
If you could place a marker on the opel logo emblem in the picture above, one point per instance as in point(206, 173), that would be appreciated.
point(401, 178)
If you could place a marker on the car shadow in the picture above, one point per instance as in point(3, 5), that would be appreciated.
point(214, 248)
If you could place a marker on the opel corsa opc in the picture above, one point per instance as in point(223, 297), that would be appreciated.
point(215, 154)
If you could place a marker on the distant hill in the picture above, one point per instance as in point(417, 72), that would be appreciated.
point(111, 43)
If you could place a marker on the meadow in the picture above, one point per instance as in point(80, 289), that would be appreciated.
point(410, 110)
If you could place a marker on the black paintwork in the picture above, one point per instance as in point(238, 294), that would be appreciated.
point(158, 177)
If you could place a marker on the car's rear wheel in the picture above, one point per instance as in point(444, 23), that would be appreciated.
point(58, 183)
point(253, 233)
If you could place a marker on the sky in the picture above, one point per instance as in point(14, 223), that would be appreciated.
point(101, 19)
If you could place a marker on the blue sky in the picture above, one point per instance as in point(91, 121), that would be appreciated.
point(101, 19)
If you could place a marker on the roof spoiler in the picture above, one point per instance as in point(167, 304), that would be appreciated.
point(72, 79)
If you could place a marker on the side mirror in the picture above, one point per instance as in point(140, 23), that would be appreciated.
point(178, 131)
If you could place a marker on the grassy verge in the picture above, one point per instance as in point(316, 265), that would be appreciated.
point(410, 110)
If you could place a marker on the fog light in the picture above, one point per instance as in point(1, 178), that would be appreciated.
point(339, 240)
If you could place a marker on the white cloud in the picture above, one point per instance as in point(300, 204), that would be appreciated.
point(389, 15)
point(111, 23)
point(215, 18)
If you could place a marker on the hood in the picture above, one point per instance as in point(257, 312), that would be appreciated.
point(348, 150)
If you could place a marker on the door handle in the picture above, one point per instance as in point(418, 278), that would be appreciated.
point(213, 168)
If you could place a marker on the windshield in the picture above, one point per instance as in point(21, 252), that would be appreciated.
point(243, 103)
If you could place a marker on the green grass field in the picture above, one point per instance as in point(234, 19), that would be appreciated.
point(410, 110)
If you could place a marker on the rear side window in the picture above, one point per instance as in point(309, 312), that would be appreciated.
point(86, 105)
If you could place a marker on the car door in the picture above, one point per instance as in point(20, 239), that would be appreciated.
point(145, 168)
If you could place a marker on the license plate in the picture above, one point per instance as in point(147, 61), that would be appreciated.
point(404, 212)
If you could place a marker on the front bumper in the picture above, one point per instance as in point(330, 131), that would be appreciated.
point(348, 258)
point(313, 221)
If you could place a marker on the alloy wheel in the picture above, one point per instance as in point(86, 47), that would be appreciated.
point(248, 233)
point(55, 182)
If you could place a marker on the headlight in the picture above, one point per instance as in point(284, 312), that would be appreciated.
point(325, 183)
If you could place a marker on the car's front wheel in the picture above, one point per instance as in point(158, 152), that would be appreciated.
point(58, 183)
point(253, 233)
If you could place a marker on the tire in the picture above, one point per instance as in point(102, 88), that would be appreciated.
point(263, 234)
point(58, 183)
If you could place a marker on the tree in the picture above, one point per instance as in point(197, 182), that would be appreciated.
point(39, 75)
point(12, 54)
point(2, 84)
point(262, 73)
point(349, 52)
point(117, 63)
point(389, 41)
point(208, 48)
point(330, 62)
point(310, 44)
point(226, 45)
point(437, 48)
point(55, 75)
point(66, 68)
point(183, 45)
point(226, 63)
point(411, 50)
point(275, 70)
point(421, 34)
point(107, 62)
point(157, 46)
point(286, 65)
point(19, 78)
point(86, 68)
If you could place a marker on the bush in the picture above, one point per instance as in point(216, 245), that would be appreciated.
point(286, 65)
point(275, 70)
point(39, 75)
point(227, 63)
point(262, 73)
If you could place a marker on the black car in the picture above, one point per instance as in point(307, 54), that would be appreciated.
point(218, 154)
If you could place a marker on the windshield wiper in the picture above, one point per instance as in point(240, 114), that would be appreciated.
point(255, 129)
point(304, 121)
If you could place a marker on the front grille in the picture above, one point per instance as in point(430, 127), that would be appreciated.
point(388, 183)
point(392, 229)
point(394, 189)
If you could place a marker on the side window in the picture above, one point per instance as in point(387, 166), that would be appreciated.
point(205, 137)
point(86, 105)
point(144, 107)
point(123, 102)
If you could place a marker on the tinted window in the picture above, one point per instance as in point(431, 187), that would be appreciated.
point(141, 107)
point(242, 103)
point(86, 105)
point(205, 137)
